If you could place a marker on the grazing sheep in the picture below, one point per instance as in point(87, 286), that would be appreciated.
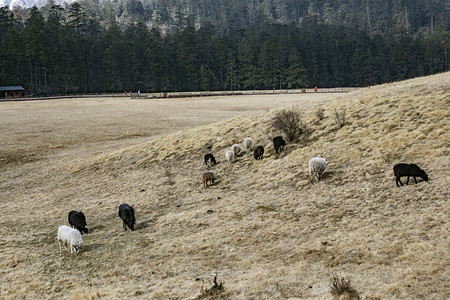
point(258, 153)
point(208, 176)
point(317, 166)
point(126, 213)
point(229, 156)
point(278, 143)
point(210, 160)
point(236, 149)
point(247, 143)
point(77, 220)
point(408, 170)
point(70, 236)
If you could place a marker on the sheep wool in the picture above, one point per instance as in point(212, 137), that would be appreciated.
point(236, 149)
point(208, 176)
point(229, 156)
point(70, 236)
point(317, 166)
point(248, 143)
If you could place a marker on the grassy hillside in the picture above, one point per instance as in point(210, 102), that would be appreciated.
point(268, 231)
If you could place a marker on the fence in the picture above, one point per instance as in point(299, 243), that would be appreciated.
point(188, 94)
point(238, 93)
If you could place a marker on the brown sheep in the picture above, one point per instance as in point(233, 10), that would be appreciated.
point(208, 176)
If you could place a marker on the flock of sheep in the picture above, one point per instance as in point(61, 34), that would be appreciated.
point(317, 165)
point(71, 236)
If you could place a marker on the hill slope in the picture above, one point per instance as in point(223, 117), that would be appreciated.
point(270, 233)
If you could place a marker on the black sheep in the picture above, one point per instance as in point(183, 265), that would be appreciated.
point(126, 213)
point(408, 170)
point(278, 143)
point(77, 220)
point(210, 159)
point(258, 153)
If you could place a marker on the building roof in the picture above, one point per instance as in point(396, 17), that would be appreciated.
point(11, 88)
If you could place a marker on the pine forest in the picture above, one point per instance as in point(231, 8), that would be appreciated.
point(212, 45)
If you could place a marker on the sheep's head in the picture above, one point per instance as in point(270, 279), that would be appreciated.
point(424, 175)
point(85, 229)
point(77, 246)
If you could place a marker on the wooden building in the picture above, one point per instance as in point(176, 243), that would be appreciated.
point(8, 92)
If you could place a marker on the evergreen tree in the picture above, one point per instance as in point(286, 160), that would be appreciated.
point(35, 46)
point(247, 65)
point(296, 74)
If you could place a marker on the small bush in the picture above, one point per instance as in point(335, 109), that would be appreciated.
point(340, 118)
point(214, 292)
point(340, 287)
point(320, 114)
point(289, 122)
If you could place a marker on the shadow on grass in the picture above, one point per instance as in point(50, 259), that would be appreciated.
point(144, 224)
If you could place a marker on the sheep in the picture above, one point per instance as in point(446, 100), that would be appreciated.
point(258, 153)
point(317, 166)
point(77, 220)
point(126, 213)
point(229, 156)
point(247, 143)
point(236, 149)
point(278, 143)
point(208, 176)
point(210, 160)
point(70, 236)
point(413, 170)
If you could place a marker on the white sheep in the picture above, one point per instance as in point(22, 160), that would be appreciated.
point(70, 236)
point(248, 143)
point(236, 149)
point(229, 156)
point(317, 166)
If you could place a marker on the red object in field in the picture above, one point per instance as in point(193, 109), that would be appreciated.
point(315, 89)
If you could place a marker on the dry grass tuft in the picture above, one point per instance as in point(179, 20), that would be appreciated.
point(216, 291)
point(342, 289)
point(340, 118)
point(320, 113)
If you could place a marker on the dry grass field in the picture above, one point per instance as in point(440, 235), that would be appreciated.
point(268, 231)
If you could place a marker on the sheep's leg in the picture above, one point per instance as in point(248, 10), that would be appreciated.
point(415, 179)
point(59, 243)
point(124, 226)
point(407, 180)
point(397, 180)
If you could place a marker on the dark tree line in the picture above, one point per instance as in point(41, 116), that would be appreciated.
point(56, 50)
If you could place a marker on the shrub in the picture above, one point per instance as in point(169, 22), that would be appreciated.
point(289, 122)
point(214, 292)
point(340, 118)
point(340, 287)
point(320, 114)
